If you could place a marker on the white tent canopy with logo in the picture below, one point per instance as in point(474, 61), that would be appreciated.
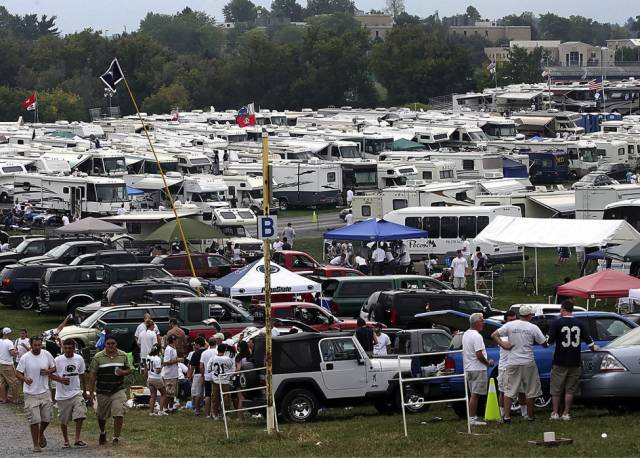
point(555, 232)
point(249, 281)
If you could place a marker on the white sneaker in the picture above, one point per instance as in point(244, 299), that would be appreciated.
point(554, 416)
point(475, 421)
point(162, 413)
point(566, 417)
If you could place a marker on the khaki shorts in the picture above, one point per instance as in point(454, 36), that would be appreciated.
point(522, 379)
point(197, 386)
point(72, 409)
point(111, 405)
point(37, 407)
point(171, 385)
point(459, 282)
point(478, 381)
point(215, 397)
point(501, 375)
point(8, 377)
point(155, 384)
point(564, 380)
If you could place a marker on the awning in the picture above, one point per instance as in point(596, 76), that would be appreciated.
point(553, 233)
point(519, 95)
point(502, 186)
point(134, 191)
point(559, 203)
point(152, 183)
point(537, 121)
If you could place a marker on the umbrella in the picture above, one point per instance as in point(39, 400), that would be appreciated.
point(193, 230)
point(90, 226)
point(628, 251)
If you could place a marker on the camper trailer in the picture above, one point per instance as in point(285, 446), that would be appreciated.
point(591, 201)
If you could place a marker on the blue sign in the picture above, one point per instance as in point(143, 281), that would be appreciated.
point(267, 227)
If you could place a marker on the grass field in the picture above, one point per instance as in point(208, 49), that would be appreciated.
point(361, 431)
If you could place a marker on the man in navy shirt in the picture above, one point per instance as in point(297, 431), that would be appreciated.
point(568, 333)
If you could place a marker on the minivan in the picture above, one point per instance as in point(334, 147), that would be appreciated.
point(347, 294)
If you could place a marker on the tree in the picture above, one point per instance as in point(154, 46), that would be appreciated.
point(29, 26)
point(240, 11)
point(527, 18)
point(395, 7)
point(288, 8)
point(634, 25)
point(57, 104)
point(317, 7)
point(167, 98)
point(521, 66)
point(406, 18)
point(473, 14)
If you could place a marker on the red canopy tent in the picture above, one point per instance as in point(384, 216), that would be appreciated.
point(600, 285)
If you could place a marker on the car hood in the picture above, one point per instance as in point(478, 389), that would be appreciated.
point(34, 259)
point(9, 255)
point(75, 331)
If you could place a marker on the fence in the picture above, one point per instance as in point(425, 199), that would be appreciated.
point(244, 409)
point(483, 282)
point(402, 381)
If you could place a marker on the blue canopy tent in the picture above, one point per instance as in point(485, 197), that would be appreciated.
point(134, 191)
point(375, 230)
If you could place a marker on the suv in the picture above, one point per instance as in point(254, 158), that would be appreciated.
point(398, 308)
point(206, 265)
point(347, 294)
point(105, 257)
point(313, 370)
point(67, 252)
point(20, 283)
point(134, 291)
point(34, 246)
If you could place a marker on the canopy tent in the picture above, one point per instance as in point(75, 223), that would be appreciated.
point(91, 226)
point(560, 203)
point(627, 252)
point(193, 230)
point(134, 191)
point(600, 285)
point(377, 230)
point(555, 232)
point(403, 144)
point(249, 281)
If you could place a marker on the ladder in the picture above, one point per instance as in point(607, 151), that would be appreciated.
point(483, 282)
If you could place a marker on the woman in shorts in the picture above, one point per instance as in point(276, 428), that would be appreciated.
point(152, 369)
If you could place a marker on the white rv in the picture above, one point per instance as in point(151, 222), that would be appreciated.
point(446, 226)
point(238, 226)
point(246, 190)
point(592, 201)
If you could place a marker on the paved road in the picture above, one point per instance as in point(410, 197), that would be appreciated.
point(15, 439)
point(305, 228)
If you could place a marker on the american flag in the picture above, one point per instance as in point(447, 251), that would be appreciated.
point(596, 84)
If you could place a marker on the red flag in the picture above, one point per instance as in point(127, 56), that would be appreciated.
point(246, 116)
point(30, 103)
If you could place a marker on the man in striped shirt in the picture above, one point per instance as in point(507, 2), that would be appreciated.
point(108, 370)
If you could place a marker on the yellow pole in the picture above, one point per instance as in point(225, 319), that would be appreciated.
point(267, 284)
point(164, 180)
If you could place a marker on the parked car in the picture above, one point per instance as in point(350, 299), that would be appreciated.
point(67, 252)
point(346, 295)
point(323, 273)
point(615, 170)
point(34, 246)
point(594, 179)
point(312, 315)
point(206, 265)
point(295, 261)
point(134, 291)
point(398, 308)
point(20, 283)
point(603, 327)
point(105, 257)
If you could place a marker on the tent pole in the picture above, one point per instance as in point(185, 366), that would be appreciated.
point(536, 254)
point(587, 304)
point(324, 248)
point(524, 265)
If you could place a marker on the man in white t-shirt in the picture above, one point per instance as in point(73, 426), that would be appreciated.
point(7, 371)
point(466, 247)
point(503, 362)
point(207, 355)
point(476, 364)
point(521, 373)
point(65, 220)
point(22, 344)
point(33, 370)
point(339, 260)
point(459, 266)
point(349, 197)
point(222, 368)
point(377, 258)
point(170, 362)
point(349, 218)
point(147, 339)
point(383, 342)
point(70, 391)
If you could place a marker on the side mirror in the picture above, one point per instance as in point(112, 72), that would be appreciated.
point(360, 361)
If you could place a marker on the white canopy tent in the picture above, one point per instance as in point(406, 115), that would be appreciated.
point(553, 233)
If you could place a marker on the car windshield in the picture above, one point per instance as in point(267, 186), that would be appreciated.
point(91, 320)
point(626, 340)
point(350, 152)
point(57, 251)
point(24, 244)
point(590, 178)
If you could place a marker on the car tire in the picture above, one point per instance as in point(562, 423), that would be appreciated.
point(25, 301)
point(284, 204)
point(299, 406)
point(411, 395)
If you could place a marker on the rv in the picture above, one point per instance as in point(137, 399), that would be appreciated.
point(534, 204)
point(245, 189)
point(94, 162)
point(591, 202)
point(238, 226)
point(550, 123)
point(446, 226)
point(207, 192)
point(75, 194)
point(390, 174)
point(628, 210)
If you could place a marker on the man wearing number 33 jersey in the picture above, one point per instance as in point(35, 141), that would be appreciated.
point(568, 333)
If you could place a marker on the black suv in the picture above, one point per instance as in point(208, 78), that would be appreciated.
point(68, 251)
point(20, 283)
point(35, 246)
point(397, 308)
point(105, 257)
point(134, 291)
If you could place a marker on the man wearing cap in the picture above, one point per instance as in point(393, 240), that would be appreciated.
point(7, 371)
point(522, 373)
point(474, 355)
point(170, 371)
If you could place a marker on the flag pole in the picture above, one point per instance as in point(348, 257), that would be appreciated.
point(164, 179)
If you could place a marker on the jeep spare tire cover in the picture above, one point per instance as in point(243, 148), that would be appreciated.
point(248, 379)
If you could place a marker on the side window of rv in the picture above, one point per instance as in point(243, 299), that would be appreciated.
point(431, 224)
point(427, 175)
point(331, 177)
point(468, 164)
point(466, 138)
point(413, 221)
point(449, 227)
point(91, 193)
point(65, 190)
point(468, 226)
point(134, 228)
point(444, 174)
point(366, 210)
point(573, 153)
point(399, 203)
point(335, 152)
point(482, 222)
point(621, 151)
point(601, 152)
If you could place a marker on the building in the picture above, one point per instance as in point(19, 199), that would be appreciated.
point(492, 32)
point(578, 54)
point(551, 47)
point(497, 53)
point(378, 25)
point(629, 43)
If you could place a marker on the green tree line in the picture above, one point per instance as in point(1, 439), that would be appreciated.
point(185, 60)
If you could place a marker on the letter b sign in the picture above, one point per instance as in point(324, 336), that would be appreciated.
point(267, 227)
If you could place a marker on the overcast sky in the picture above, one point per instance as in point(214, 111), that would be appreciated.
point(116, 15)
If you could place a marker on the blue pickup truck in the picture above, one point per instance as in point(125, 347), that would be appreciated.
point(603, 327)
